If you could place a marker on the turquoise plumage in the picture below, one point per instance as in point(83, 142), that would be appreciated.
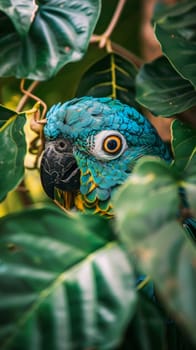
point(92, 145)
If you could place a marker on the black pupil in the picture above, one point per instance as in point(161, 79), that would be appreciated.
point(112, 144)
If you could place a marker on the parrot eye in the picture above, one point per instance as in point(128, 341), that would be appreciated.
point(112, 144)
point(107, 145)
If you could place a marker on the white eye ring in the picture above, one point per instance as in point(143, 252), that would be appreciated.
point(107, 144)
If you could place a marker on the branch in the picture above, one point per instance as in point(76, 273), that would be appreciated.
point(103, 38)
point(26, 96)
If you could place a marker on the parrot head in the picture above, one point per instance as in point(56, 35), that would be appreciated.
point(92, 145)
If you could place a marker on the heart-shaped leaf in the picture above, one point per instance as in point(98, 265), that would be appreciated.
point(59, 33)
point(65, 282)
point(112, 76)
point(13, 150)
point(162, 90)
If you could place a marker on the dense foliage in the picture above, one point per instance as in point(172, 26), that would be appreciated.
point(71, 281)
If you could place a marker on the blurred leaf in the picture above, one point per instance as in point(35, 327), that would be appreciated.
point(147, 330)
point(146, 210)
point(175, 29)
point(59, 33)
point(147, 200)
point(170, 259)
point(183, 144)
point(13, 150)
point(112, 76)
point(162, 90)
point(65, 282)
point(190, 183)
point(20, 12)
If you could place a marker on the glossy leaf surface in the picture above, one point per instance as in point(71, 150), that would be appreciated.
point(13, 150)
point(59, 33)
point(175, 29)
point(162, 90)
point(65, 282)
point(20, 12)
point(112, 76)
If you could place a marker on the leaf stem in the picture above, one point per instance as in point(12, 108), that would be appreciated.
point(103, 38)
point(116, 48)
point(26, 96)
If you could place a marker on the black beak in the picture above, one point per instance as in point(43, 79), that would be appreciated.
point(59, 168)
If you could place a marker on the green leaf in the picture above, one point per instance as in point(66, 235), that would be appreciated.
point(5, 114)
point(189, 183)
point(65, 282)
point(175, 30)
point(169, 259)
point(183, 144)
point(162, 90)
point(184, 163)
point(59, 33)
point(13, 150)
point(147, 330)
point(146, 208)
point(112, 76)
point(20, 12)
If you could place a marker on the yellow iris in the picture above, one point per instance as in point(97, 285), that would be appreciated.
point(112, 144)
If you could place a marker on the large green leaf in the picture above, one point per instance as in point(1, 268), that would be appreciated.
point(175, 29)
point(162, 90)
point(112, 76)
point(59, 33)
point(13, 150)
point(66, 283)
point(147, 210)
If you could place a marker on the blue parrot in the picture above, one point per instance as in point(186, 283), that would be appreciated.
point(92, 145)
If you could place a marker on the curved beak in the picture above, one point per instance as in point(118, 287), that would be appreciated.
point(58, 169)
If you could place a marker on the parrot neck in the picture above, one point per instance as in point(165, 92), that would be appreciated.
point(97, 207)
